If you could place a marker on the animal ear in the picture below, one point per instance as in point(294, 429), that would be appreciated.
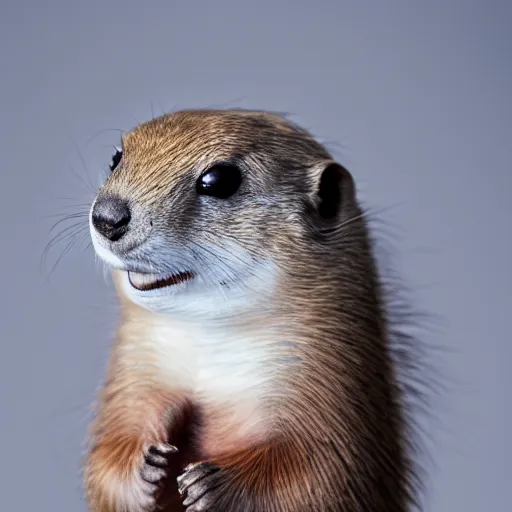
point(334, 191)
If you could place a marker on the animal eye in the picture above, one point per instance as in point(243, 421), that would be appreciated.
point(116, 159)
point(221, 180)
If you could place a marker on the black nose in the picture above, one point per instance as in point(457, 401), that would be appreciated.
point(111, 217)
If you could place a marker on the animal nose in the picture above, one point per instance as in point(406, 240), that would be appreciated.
point(111, 217)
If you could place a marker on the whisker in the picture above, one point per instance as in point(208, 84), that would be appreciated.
point(72, 216)
point(206, 276)
point(227, 273)
point(83, 209)
point(65, 231)
point(84, 238)
point(220, 260)
point(64, 252)
point(69, 232)
point(224, 249)
point(89, 186)
point(103, 131)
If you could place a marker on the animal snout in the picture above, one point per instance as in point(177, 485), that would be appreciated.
point(111, 217)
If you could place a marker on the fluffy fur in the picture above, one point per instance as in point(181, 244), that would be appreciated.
point(275, 358)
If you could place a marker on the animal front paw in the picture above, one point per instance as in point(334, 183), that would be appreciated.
point(155, 462)
point(198, 486)
point(126, 476)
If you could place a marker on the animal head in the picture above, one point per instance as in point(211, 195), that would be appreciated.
point(206, 211)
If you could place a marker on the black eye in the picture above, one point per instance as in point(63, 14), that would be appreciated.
point(116, 159)
point(221, 180)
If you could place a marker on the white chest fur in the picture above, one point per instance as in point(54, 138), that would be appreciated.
point(216, 363)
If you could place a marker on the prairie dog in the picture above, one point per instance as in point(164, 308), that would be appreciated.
point(250, 302)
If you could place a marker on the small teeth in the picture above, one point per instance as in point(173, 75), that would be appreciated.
point(142, 281)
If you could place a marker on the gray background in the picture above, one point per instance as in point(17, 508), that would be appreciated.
point(414, 97)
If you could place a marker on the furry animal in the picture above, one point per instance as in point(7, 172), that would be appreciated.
point(252, 318)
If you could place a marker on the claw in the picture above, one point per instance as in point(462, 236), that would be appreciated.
point(194, 484)
point(157, 455)
point(155, 462)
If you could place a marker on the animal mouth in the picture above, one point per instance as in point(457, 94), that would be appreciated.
point(145, 282)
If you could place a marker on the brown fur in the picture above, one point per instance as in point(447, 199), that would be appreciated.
point(330, 435)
